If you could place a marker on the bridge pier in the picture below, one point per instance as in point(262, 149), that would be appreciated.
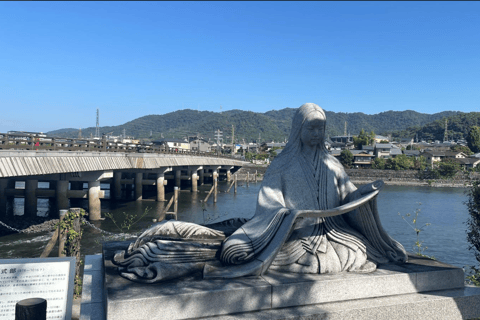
point(94, 205)
point(194, 177)
point(30, 205)
point(61, 198)
point(161, 182)
point(117, 185)
point(178, 178)
point(138, 186)
point(202, 176)
point(3, 197)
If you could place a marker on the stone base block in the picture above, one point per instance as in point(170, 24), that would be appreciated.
point(390, 290)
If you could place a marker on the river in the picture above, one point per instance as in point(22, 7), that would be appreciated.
point(443, 208)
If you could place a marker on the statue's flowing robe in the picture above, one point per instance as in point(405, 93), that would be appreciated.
point(355, 241)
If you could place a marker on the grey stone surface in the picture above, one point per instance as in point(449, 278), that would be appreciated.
point(189, 297)
point(93, 291)
point(330, 296)
point(441, 305)
point(92, 311)
point(93, 262)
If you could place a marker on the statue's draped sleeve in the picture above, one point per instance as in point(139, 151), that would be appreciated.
point(250, 239)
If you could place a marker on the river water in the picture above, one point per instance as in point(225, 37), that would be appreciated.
point(443, 208)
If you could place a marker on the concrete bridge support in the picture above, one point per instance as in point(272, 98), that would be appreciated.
point(117, 185)
point(3, 196)
point(161, 182)
point(30, 206)
point(178, 178)
point(94, 205)
point(138, 186)
point(61, 190)
point(202, 176)
point(194, 177)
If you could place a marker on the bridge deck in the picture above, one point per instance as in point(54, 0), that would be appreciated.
point(27, 163)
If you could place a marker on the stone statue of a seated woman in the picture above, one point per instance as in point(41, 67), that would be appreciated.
point(310, 218)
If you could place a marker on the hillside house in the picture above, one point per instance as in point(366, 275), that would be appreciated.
point(362, 158)
point(468, 163)
point(200, 145)
point(379, 138)
point(172, 144)
point(382, 150)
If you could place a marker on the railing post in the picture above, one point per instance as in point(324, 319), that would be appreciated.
point(31, 309)
point(61, 235)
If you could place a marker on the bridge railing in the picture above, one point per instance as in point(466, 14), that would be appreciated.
point(35, 143)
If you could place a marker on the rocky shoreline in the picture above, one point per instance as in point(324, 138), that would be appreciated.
point(27, 225)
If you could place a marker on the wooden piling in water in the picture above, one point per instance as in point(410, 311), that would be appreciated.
point(215, 191)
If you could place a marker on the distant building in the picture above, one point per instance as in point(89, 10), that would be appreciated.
point(342, 139)
point(200, 145)
point(173, 144)
point(362, 158)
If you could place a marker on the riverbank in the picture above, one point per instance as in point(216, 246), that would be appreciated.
point(390, 177)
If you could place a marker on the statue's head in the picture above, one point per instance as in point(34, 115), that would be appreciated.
point(308, 124)
point(312, 132)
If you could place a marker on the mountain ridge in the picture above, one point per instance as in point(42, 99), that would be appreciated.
point(273, 125)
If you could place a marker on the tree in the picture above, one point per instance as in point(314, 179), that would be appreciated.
point(378, 163)
point(473, 227)
point(420, 163)
point(473, 139)
point(448, 169)
point(464, 149)
point(346, 158)
point(403, 162)
point(363, 139)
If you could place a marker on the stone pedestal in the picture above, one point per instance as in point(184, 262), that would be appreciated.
point(94, 205)
point(419, 289)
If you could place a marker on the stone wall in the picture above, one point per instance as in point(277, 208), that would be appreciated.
point(408, 177)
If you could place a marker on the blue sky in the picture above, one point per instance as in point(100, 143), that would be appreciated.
point(60, 61)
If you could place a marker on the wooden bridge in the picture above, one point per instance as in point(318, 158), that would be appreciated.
point(67, 171)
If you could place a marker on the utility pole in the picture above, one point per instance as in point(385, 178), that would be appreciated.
point(233, 140)
point(97, 128)
point(445, 136)
point(218, 135)
point(345, 129)
point(80, 133)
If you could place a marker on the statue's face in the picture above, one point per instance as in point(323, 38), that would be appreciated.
point(313, 131)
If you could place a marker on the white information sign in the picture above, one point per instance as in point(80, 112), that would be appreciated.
point(49, 278)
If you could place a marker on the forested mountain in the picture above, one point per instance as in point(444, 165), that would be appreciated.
point(458, 126)
point(270, 126)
